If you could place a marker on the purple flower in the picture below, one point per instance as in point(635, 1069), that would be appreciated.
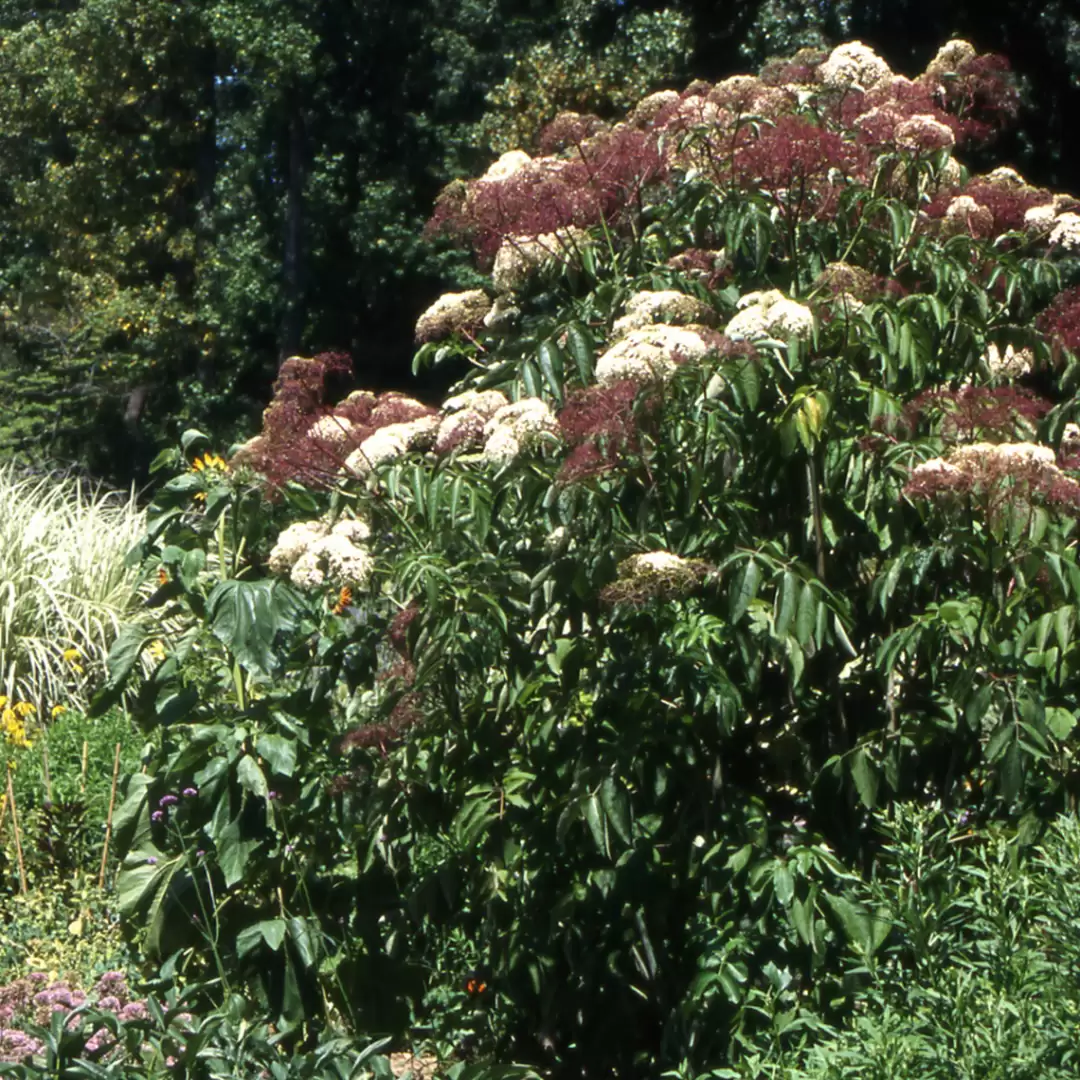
point(167, 800)
point(190, 792)
point(151, 861)
point(274, 795)
point(157, 815)
point(200, 853)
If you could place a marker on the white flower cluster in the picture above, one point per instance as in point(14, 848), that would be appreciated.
point(664, 305)
point(1005, 176)
point(312, 553)
point(770, 314)
point(1044, 217)
point(464, 418)
point(1070, 438)
point(1066, 232)
point(854, 66)
point(519, 257)
point(982, 462)
point(1041, 218)
point(648, 353)
point(964, 214)
point(518, 428)
point(648, 107)
point(924, 132)
point(513, 161)
point(1010, 364)
point(451, 313)
point(653, 575)
point(391, 442)
point(949, 59)
point(330, 430)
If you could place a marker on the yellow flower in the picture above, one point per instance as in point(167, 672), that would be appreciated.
point(209, 461)
point(156, 650)
point(24, 708)
point(58, 710)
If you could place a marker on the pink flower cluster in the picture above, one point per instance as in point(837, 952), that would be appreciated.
point(305, 438)
point(35, 998)
point(1060, 322)
point(745, 129)
point(976, 412)
point(997, 477)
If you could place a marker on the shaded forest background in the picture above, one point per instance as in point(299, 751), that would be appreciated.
point(191, 191)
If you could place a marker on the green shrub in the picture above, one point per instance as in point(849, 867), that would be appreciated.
point(553, 725)
point(963, 953)
point(67, 930)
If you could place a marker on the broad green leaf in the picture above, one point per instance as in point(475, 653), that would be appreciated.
point(748, 583)
point(252, 777)
point(278, 752)
point(305, 935)
point(865, 775)
point(233, 852)
point(1060, 721)
point(270, 931)
point(617, 808)
point(121, 661)
point(247, 616)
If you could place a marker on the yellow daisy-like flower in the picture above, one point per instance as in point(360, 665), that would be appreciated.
point(58, 710)
point(211, 462)
point(156, 651)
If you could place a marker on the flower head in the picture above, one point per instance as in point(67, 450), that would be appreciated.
point(519, 428)
point(453, 313)
point(1066, 232)
point(666, 306)
point(654, 575)
point(854, 65)
point(770, 314)
point(650, 354)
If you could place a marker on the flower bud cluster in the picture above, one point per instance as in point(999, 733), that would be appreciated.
point(453, 313)
point(655, 575)
point(770, 314)
point(311, 553)
point(662, 306)
point(650, 354)
point(519, 428)
point(999, 474)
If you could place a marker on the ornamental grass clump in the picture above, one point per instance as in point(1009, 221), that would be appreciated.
point(64, 584)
